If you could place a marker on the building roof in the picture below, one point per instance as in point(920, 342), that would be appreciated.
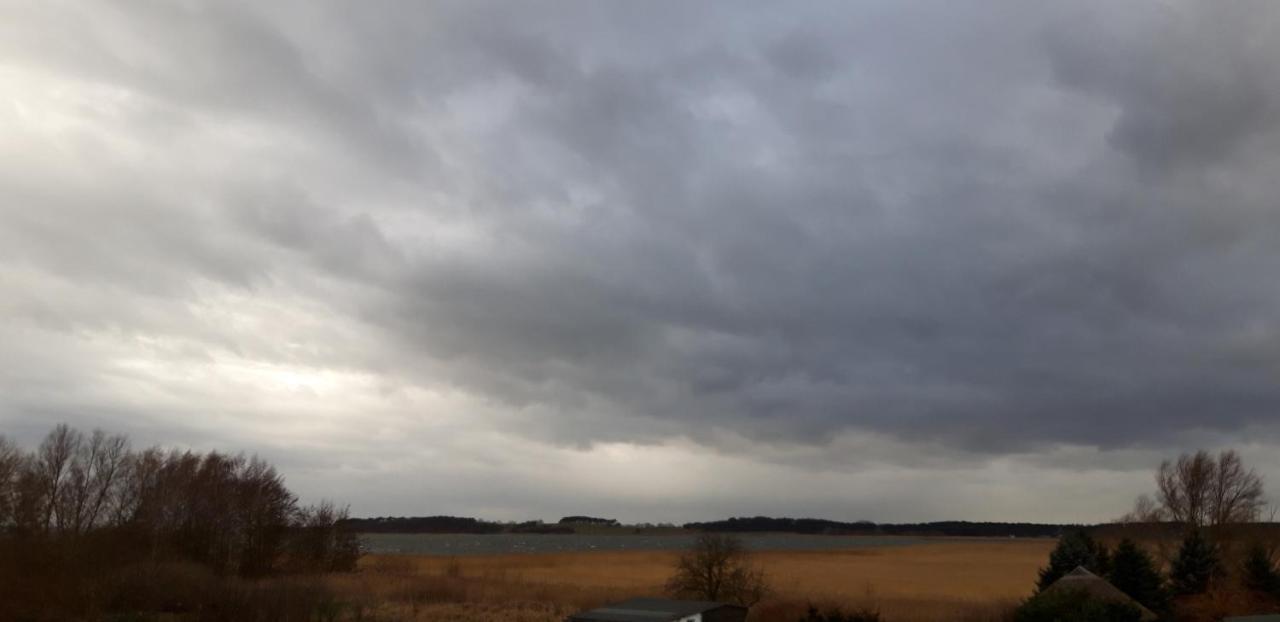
point(1081, 580)
point(648, 610)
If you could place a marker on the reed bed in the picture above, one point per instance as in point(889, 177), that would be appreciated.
point(956, 579)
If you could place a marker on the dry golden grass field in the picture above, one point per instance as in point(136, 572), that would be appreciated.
point(945, 579)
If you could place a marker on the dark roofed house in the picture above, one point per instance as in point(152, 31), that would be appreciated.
point(663, 610)
point(1081, 580)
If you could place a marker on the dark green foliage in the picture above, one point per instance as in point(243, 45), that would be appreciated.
point(1195, 566)
point(837, 615)
point(1074, 549)
point(1074, 606)
point(1135, 574)
point(1259, 572)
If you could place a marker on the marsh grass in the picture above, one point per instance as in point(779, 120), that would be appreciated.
point(965, 581)
point(952, 580)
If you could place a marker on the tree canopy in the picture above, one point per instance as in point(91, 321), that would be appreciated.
point(1074, 549)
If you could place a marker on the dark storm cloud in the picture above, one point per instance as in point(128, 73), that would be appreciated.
point(788, 250)
point(1192, 82)
point(990, 226)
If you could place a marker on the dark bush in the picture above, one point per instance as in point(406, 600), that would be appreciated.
point(718, 567)
point(1259, 572)
point(837, 615)
point(321, 542)
point(1074, 606)
point(1074, 549)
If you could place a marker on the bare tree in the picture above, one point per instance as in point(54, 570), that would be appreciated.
point(109, 470)
point(93, 475)
point(10, 466)
point(139, 481)
point(717, 567)
point(52, 467)
point(1201, 490)
point(228, 512)
point(264, 509)
point(321, 542)
point(72, 495)
point(1236, 495)
point(1145, 510)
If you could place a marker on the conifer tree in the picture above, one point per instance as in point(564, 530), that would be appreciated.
point(1195, 566)
point(1260, 572)
point(1135, 574)
point(1074, 549)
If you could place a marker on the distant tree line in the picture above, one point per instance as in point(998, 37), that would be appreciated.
point(823, 526)
point(537, 526)
point(447, 524)
point(756, 524)
point(588, 520)
point(79, 506)
point(422, 524)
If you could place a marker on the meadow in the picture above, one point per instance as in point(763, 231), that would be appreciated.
point(943, 579)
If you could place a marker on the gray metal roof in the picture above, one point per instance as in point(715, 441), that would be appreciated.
point(647, 610)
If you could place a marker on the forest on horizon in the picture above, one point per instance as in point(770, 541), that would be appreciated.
point(756, 524)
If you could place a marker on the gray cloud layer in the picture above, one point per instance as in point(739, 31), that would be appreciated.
point(829, 235)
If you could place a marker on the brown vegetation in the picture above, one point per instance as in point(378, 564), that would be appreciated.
point(942, 580)
point(91, 530)
point(89, 527)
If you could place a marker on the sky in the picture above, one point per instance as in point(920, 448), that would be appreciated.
point(656, 261)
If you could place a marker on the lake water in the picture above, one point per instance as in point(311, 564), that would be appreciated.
point(489, 544)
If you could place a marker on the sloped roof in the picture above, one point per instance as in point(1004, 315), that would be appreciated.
point(1081, 580)
point(648, 610)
